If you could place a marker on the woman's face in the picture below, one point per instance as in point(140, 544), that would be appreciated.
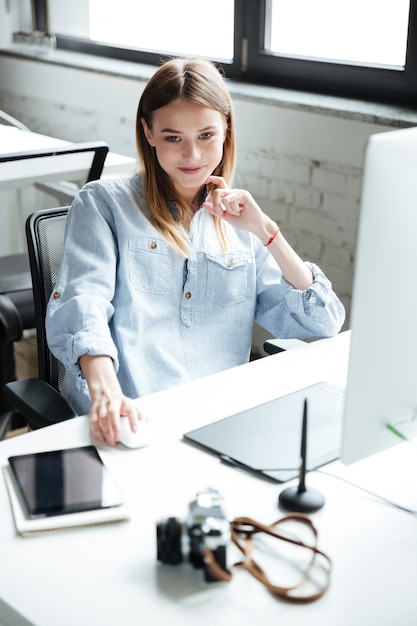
point(188, 139)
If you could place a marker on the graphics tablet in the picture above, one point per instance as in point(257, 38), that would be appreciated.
point(63, 481)
point(267, 438)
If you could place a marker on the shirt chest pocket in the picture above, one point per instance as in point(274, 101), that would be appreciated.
point(150, 264)
point(227, 278)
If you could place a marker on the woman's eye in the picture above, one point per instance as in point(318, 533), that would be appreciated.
point(172, 138)
point(206, 135)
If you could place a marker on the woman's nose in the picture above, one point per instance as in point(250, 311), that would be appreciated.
point(191, 150)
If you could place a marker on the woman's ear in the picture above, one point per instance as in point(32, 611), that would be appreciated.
point(147, 132)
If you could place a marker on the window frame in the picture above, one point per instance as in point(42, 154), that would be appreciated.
point(251, 63)
point(354, 80)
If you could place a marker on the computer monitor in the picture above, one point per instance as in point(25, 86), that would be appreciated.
point(382, 373)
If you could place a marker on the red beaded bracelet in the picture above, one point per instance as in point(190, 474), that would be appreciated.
point(271, 239)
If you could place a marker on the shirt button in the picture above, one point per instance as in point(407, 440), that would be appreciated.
point(228, 264)
point(57, 295)
point(188, 295)
point(153, 245)
point(313, 299)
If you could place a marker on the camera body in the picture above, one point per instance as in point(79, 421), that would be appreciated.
point(206, 527)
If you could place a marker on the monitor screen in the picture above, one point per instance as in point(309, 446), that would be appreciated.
point(382, 381)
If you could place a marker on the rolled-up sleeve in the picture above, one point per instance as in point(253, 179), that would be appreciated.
point(292, 313)
point(79, 310)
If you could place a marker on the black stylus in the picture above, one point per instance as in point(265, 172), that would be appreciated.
point(303, 454)
point(301, 499)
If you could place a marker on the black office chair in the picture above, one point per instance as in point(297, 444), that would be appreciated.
point(17, 311)
point(14, 276)
point(39, 400)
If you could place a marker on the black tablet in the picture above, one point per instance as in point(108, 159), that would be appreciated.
point(64, 481)
point(266, 439)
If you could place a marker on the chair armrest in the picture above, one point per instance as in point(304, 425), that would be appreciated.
point(273, 346)
point(39, 403)
point(11, 326)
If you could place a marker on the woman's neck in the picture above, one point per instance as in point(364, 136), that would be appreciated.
point(194, 200)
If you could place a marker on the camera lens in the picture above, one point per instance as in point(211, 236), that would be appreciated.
point(168, 535)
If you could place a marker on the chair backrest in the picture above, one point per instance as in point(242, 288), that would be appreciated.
point(45, 232)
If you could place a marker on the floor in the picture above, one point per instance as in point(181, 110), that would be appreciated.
point(26, 366)
point(26, 357)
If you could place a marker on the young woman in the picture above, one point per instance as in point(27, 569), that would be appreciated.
point(165, 272)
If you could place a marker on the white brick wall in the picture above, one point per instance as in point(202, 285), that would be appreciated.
point(315, 203)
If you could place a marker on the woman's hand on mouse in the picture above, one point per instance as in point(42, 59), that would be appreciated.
point(108, 400)
point(105, 414)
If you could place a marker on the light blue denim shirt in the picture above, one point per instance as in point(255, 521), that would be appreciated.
point(165, 319)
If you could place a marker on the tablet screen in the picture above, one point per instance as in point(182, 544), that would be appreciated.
point(64, 481)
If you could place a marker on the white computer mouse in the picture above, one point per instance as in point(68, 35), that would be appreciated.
point(131, 439)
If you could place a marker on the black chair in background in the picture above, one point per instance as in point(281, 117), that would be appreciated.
point(17, 310)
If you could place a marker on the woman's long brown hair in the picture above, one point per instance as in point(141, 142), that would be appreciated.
point(189, 80)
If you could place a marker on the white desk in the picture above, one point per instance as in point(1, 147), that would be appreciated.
point(109, 575)
point(20, 175)
point(69, 166)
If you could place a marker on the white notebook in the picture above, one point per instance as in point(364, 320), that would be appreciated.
point(27, 525)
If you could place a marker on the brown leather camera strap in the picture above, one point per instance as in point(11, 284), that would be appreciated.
point(243, 531)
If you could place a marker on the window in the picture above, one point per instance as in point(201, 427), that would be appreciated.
point(163, 26)
point(372, 32)
point(360, 48)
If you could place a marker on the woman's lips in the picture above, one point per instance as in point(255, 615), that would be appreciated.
point(191, 170)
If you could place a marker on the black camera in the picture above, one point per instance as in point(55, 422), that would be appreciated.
point(206, 530)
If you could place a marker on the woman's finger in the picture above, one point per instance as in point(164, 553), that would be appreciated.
point(218, 181)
